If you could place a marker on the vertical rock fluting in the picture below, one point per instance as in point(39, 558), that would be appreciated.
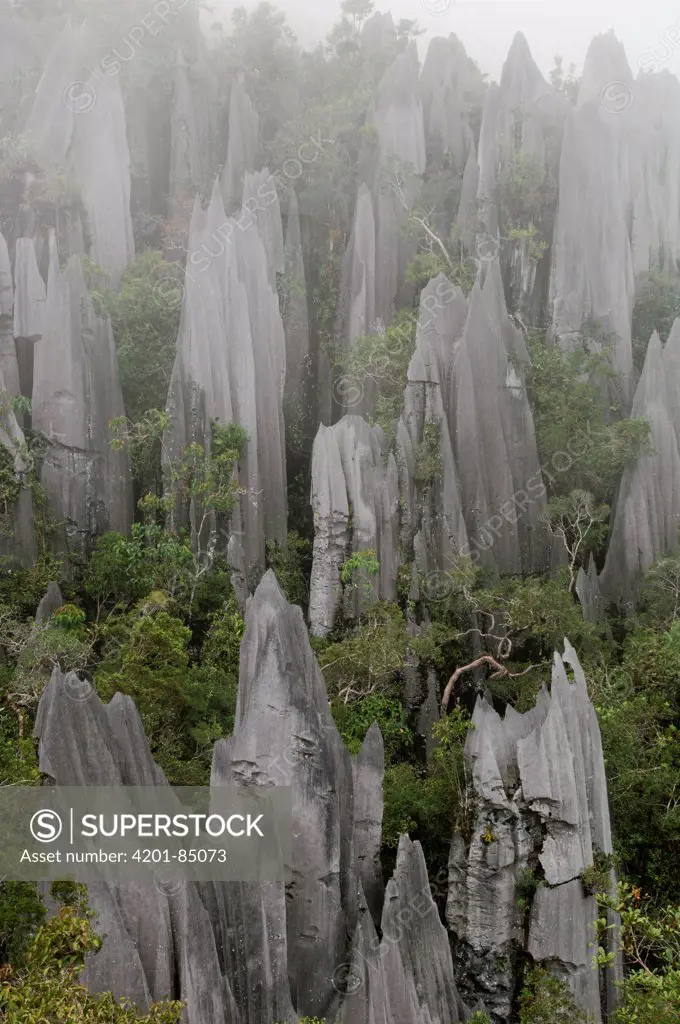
point(285, 735)
point(230, 367)
point(357, 304)
point(192, 125)
point(407, 976)
point(296, 325)
point(76, 394)
point(236, 951)
point(541, 814)
point(368, 768)
point(78, 121)
point(9, 366)
point(435, 525)
point(499, 470)
point(450, 83)
point(243, 144)
point(29, 310)
point(17, 539)
point(399, 162)
point(351, 477)
point(594, 209)
point(157, 946)
point(529, 125)
point(647, 511)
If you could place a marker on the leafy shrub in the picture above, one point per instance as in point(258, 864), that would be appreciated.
point(292, 567)
point(369, 655)
point(355, 719)
point(650, 937)
point(547, 1000)
point(145, 316)
point(580, 445)
point(45, 986)
point(657, 304)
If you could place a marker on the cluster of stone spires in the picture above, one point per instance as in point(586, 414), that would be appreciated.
point(242, 954)
point(244, 357)
point(268, 952)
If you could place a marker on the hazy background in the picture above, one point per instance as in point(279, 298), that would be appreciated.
point(486, 27)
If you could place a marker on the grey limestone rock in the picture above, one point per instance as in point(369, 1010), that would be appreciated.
point(589, 594)
point(261, 205)
point(78, 120)
point(30, 295)
point(100, 158)
point(594, 162)
point(230, 367)
point(418, 965)
point(647, 511)
point(449, 83)
point(331, 531)
point(398, 112)
point(243, 144)
point(501, 484)
point(357, 304)
point(284, 734)
point(368, 768)
point(17, 538)
point(52, 600)
point(350, 471)
point(157, 946)
point(540, 805)
point(192, 126)
point(76, 395)
point(9, 366)
point(296, 318)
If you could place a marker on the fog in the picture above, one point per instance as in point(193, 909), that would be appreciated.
point(649, 31)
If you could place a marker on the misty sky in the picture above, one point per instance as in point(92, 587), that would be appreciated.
point(486, 27)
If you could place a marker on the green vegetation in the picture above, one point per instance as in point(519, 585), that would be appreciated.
point(42, 985)
point(546, 1000)
point(154, 615)
point(145, 318)
point(650, 936)
point(657, 304)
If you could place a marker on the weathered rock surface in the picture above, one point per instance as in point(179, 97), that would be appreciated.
point(647, 513)
point(331, 531)
point(29, 305)
point(157, 946)
point(192, 126)
point(9, 366)
point(586, 289)
point(76, 395)
point(368, 768)
point(437, 526)
point(349, 471)
point(284, 734)
point(357, 308)
point(78, 121)
point(230, 367)
point(17, 538)
point(296, 322)
point(502, 489)
point(450, 82)
point(243, 144)
point(541, 811)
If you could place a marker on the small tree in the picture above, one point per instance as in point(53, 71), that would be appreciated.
point(650, 937)
point(580, 524)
